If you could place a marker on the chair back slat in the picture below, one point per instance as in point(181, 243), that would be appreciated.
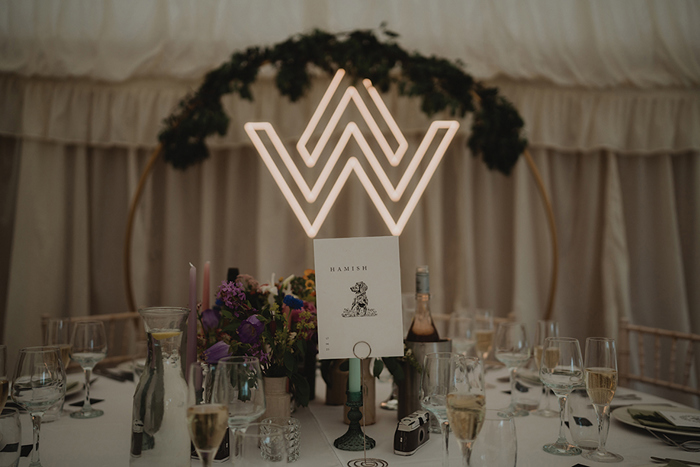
point(668, 355)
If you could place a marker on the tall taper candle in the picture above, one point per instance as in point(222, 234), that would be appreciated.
point(205, 288)
point(192, 321)
point(354, 375)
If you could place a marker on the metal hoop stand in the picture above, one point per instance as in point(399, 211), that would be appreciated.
point(355, 439)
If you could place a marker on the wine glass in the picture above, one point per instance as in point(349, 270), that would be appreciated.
point(561, 370)
point(513, 350)
point(466, 402)
point(206, 419)
point(545, 329)
point(4, 382)
point(600, 373)
point(88, 347)
point(39, 382)
point(460, 330)
point(436, 383)
point(238, 383)
point(58, 334)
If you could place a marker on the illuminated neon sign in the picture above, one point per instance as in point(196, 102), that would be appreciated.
point(394, 157)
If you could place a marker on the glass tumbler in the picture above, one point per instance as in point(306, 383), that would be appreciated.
point(292, 433)
point(497, 443)
point(11, 441)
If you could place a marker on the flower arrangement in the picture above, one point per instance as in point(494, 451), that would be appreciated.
point(273, 322)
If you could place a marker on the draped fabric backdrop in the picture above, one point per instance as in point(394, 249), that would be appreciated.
point(608, 92)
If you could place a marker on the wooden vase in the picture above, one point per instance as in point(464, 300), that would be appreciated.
point(277, 397)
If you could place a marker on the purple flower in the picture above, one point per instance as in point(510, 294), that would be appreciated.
point(216, 352)
point(210, 319)
point(230, 293)
point(292, 302)
point(250, 330)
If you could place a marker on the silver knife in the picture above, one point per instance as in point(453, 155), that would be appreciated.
point(669, 459)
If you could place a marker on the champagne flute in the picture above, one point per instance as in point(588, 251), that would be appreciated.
point(561, 370)
point(545, 329)
point(483, 333)
point(436, 383)
point(600, 373)
point(39, 382)
point(4, 382)
point(238, 383)
point(513, 350)
point(206, 420)
point(88, 347)
point(466, 402)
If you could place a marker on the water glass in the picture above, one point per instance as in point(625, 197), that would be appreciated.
point(39, 382)
point(11, 441)
point(497, 443)
point(88, 347)
point(58, 334)
point(292, 433)
point(513, 350)
point(259, 445)
point(582, 419)
point(460, 330)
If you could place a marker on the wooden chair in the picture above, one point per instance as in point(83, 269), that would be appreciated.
point(123, 331)
point(671, 365)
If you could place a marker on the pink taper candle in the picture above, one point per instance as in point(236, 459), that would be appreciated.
point(205, 287)
point(192, 321)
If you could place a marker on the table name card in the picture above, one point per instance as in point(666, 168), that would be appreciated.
point(358, 296)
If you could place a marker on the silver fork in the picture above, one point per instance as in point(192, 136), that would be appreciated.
point(688, 446)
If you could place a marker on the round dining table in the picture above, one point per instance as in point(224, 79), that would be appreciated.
point(105, 441)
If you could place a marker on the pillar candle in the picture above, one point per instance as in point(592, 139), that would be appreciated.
point(205, 287)
point(192, 320)
point(354, 375)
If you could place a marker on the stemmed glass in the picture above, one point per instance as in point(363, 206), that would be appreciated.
point(561, 370)
point(461, 332)
point(58, 334)
point(483, 333)
point(206, 419)
point(545, 329)
point(600, 373)
point(513, 350)
point(238, 383)
point(466, 402)
point(39, 382)
point(4, 382)
point(436, 382)
point(88, 347)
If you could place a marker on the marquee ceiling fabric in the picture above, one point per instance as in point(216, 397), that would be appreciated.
point(597, 43)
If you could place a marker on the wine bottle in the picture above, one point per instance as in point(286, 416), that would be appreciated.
point(231, 274)
point(422, 327)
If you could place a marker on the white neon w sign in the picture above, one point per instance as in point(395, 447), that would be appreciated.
point(352, 164)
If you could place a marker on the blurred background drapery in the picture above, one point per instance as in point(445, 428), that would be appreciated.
point(609, 92)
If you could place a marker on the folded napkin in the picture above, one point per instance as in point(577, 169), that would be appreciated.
point(654, 419)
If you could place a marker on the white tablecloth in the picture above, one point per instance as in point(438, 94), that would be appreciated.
point(105, 441)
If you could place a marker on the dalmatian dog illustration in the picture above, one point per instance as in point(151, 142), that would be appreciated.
point(359, 304)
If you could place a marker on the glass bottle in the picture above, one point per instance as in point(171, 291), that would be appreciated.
point(159, 434)
point(422, 327)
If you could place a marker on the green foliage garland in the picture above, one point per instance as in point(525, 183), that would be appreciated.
point(440, 84)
